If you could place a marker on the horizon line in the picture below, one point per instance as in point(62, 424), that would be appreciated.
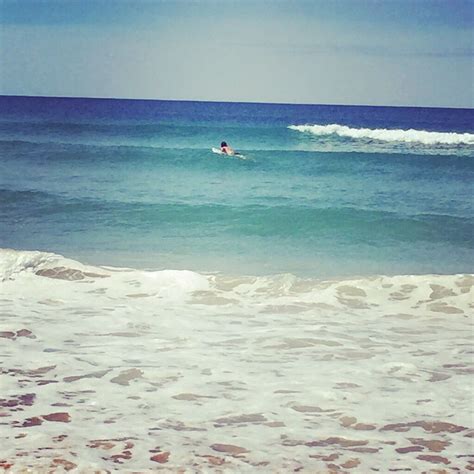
point(233, 102)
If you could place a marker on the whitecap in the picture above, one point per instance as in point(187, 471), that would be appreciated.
point(387, 135)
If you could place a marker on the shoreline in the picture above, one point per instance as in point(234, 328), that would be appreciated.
point(45, 259)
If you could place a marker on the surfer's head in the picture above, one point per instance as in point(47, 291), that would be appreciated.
point(223, 144)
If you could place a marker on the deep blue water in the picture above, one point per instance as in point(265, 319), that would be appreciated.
point(126, 182)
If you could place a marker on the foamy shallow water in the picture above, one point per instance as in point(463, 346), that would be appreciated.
point(117, 369)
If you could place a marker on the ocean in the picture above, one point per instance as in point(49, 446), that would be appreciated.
point(306, 306)
point(325, 191)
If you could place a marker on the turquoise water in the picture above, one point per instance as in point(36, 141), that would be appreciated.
point(134, 183)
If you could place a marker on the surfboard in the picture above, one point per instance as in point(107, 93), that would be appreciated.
point(218, 151)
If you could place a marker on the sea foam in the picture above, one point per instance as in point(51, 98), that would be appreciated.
point(395, 135)
point(136, 369)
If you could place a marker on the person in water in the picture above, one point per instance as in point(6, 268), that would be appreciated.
point(227, 149)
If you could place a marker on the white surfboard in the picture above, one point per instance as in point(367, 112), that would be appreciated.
point(218, 151)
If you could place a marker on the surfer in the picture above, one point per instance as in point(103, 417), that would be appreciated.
point(227, 149)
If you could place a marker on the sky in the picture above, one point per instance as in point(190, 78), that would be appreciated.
point(371, 52)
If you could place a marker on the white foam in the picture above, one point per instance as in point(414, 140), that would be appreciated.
point(169, 283)
point(13, 262)
point(382, 134)
point(192, 365)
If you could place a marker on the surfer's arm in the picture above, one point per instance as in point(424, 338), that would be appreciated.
point(228, 150)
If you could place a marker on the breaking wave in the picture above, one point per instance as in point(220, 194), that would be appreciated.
point(29, 272)
point(387, 135)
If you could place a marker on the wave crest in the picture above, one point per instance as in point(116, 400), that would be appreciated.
point(39, 275)
point(173, 284)
point(382, 134)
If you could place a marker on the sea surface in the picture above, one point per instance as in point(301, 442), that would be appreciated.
point(323, 191)
point(306, 307)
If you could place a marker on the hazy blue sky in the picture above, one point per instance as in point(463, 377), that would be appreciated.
point(383, 52)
